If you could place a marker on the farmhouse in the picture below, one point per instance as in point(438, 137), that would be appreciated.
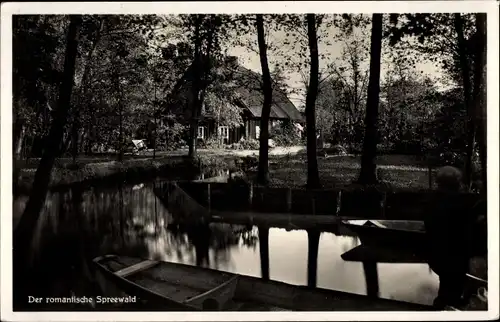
point(246, 95)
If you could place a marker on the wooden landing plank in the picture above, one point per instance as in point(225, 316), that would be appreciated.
point(364, 253)
point(127, 271)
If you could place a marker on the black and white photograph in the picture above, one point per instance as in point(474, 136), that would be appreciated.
point(198, 159)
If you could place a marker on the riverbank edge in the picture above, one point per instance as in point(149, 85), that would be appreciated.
point(111, 172)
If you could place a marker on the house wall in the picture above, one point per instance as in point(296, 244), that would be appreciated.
point(211, 129)
point(252, 125)
point(247, 131)
point(251, 132)
point(236, 134)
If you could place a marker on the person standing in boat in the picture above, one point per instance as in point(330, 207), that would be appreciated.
point(448, 236)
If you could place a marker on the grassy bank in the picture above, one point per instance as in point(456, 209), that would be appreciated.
point(101, 171)
point(395, 172)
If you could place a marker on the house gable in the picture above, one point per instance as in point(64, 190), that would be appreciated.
point(248, 92)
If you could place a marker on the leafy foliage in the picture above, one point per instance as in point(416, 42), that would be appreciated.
point(434, 37)
point(285, 134)
point(128, 66)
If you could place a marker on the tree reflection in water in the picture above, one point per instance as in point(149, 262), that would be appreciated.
point(312, 256)
point(77, 225)
point(264, 251)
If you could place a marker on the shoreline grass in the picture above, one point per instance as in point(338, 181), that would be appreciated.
point(395, 172)
point(109, 172)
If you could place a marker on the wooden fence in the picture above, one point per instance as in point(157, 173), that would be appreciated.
point(359, 204)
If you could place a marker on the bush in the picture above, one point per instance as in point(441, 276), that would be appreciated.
point(285, 134)
point(337, 150)
point(248, 163)
point(356, 148)
point(212, 143)
point(235, 146)
point(171, 137)
point(250, 144)
point(385, 148)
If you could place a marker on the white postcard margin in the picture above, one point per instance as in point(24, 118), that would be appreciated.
point(9, 9)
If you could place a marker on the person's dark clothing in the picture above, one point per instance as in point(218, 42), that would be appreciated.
point(448, 235)
point(451, 287)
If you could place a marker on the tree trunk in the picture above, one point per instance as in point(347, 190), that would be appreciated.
point(480, 94)
point(193, 130)
point(264, 251)
point(193, 138)
point(23, 233)
point(356, 90)
point(312, 257)
point(312, 93)
point(74, 133)
point(120, 113)
point(84, 93)
point(368, 173)
point(120, 146)
point(17, 155)
point(19, 142)
point(464, 65)
point(66, 143)
point(263, 168)
point(154, 121)
point(154, 140)
point(202, 80)
point(82, 141)
point(88, 144)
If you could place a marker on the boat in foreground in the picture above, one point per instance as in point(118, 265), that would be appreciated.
point(179, 287)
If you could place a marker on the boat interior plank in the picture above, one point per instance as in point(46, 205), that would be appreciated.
point(127, 271)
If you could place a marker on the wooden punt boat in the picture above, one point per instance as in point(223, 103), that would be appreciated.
point(394, 234)
point(406, 235)
point(178, 287)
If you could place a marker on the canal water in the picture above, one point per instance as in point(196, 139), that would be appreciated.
point(77, 225)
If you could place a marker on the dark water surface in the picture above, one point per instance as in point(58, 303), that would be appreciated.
point(77, 225)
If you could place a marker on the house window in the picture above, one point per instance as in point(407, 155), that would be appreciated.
point(201, 132)
point(224, 132)
point(257, 131)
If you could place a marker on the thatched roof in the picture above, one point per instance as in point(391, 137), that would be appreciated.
point(249, 95)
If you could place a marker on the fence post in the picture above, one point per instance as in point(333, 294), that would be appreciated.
point(289, 200)
point(250, 196)
point(339, 202)
point(313, 202)
point(430, 177)
point(384, 203)
point(209, 197)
